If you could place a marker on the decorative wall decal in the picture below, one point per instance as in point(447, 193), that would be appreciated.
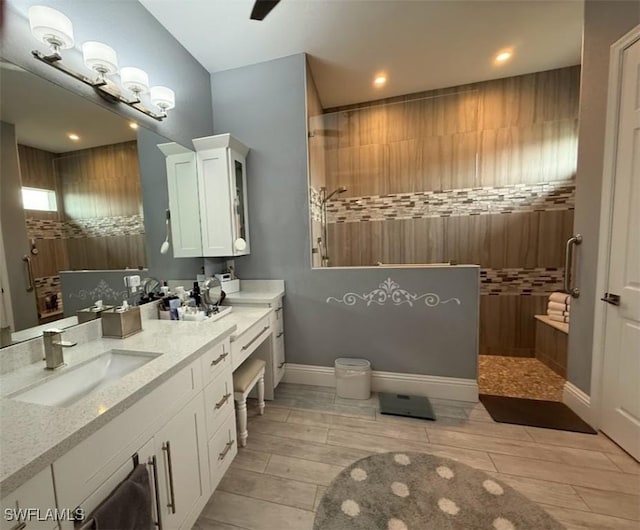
point(102, 290)
point(390, 291)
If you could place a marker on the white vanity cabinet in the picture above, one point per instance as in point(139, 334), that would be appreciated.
point(222, 190)
point(37, 494)
point(168, 430)
point(276, 363)
point(208, 197)
point(182, 483)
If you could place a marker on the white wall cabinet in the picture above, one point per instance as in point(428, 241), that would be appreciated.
point(222, 186)
point(184, 205)
point(208, 197)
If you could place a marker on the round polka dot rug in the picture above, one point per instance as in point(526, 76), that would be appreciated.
point(415, 491)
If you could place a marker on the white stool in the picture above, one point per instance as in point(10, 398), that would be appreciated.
point(245, 378)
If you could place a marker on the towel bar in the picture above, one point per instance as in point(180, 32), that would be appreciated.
point(89, 523)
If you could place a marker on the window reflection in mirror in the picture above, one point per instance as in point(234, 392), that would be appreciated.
point(71, 198)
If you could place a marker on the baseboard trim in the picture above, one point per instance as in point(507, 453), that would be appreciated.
point(426, 385)
point(578, 401)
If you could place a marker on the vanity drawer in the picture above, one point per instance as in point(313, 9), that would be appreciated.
point(247, 343)
point(216, 360)
point(218, 401)
point(223, 448)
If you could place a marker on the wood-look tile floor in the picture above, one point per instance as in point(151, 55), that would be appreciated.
point(307, 436)
point(521, 377)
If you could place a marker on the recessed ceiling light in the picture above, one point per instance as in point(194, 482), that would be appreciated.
point(133, 125)
point(73, 136)
point(380, 80)
point(503, 56)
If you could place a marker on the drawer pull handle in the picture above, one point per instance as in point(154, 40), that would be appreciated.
point(279, 309)
point(153, 463)
point(227, 448)
point(172, 504)
point(222, 401)
point(281, 365)
point(222, 357)
point(255, 338)
point(279, 334)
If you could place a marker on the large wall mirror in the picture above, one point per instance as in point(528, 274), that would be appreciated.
point(71, 199)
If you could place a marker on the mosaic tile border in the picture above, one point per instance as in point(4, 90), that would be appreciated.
point(521, 281)
point(46, 286)
point(315, 204)
point(547, 196)
point(92, 227)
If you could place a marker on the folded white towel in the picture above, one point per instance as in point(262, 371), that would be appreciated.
point(557, 306)
point(559, 318)
point(562, 298)
point(557, 313)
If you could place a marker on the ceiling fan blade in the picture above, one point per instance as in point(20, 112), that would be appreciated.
point(262, 8)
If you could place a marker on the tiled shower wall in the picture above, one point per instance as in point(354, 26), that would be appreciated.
point(99, 222)
point(481, 173)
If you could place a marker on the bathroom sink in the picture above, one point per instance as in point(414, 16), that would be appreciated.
point(75, 383)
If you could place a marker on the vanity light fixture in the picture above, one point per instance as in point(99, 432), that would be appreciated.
point(56, 31)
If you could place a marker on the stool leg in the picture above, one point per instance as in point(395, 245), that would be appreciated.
point(261, 395)
point(241, 406)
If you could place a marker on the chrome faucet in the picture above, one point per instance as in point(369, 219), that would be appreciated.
point(53, 345)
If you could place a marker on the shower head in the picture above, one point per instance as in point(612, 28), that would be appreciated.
point(327, 198)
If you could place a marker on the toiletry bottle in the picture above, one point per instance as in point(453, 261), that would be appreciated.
point(196, 294)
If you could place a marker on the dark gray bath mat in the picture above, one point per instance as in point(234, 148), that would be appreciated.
point(409, 491)
point(534, 413)
point(405, 405)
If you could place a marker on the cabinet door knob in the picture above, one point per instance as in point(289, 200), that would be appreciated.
point(281, 364)
point(279, 334)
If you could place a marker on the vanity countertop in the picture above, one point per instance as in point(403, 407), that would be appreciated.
point(256, 292)
point(33, 436)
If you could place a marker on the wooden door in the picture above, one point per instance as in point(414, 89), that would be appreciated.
point(621, 389)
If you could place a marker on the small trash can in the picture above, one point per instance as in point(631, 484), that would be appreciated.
point(353, 378)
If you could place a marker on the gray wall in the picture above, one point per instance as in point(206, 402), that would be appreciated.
point(605, 22)
point(14, 231)
point(139, 39)
point(264, 106)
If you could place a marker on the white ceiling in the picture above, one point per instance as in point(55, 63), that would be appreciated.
point(420, 44)
point(45, 113)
